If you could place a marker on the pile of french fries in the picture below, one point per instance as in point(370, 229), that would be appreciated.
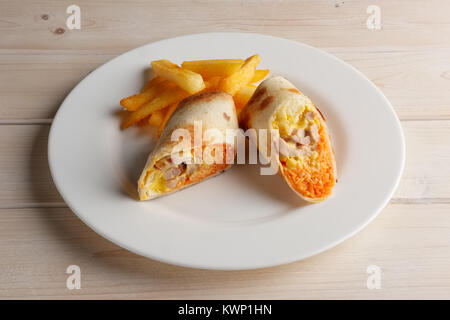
point(159, 98)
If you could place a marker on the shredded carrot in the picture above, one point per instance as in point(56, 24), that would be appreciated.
point(314, 182)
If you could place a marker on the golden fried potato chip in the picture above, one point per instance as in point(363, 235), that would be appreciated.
point(214, 68)
point(232, 84)
point(187, 80)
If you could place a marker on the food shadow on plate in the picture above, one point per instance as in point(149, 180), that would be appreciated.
point(272, 186)
point(136, 143)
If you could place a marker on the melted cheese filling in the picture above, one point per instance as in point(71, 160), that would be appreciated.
point(290, 119)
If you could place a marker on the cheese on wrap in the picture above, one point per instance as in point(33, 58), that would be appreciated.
point(304, 152)
point(161, 175)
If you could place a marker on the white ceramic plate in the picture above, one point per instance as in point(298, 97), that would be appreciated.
point(239, 220)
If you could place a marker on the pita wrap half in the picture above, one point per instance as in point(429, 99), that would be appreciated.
point(303, 152)
point(172, 166)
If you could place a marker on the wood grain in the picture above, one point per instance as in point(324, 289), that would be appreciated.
point(35, 84)
point(25, 178)
point(37, 245)
point(427, 174)
point(41, 61)
point(113, 25)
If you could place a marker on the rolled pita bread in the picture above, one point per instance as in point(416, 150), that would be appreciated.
point(304, 151)
point(162, 175)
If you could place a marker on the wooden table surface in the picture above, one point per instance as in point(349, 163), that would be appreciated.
point(41, 60)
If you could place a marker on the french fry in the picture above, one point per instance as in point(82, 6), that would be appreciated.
point(243, 96)
point(159, 98)
point(259, 75)
point(167, 115)
point(187, 80)
point(212, 83)
point(156, 118)
point(168, 96)
point(142, 122)
point(133, 102)
point(232, 84)
point(213, 68)
point(153, 82)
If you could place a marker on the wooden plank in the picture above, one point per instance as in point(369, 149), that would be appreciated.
point(427, 173)
point(24, 173)
point(25, 177)
point(117, 25)
point(37, 245)
point(415, 81)
point(35, 84)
